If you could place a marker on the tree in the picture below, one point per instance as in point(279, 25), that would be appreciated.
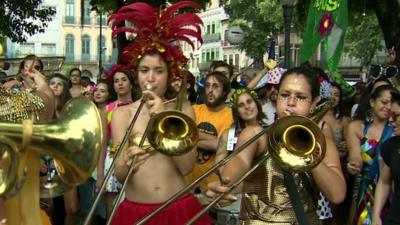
point(265, 18)
point(387, 13)
point(260, 20)
point(363, 31)
point(22, 18)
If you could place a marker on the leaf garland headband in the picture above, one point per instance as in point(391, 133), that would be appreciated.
point(239, 92)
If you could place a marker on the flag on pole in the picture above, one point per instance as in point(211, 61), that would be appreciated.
point(327, 22)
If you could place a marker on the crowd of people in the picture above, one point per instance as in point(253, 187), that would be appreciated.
point(356, 182)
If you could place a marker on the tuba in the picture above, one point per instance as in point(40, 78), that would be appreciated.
point(74, 140)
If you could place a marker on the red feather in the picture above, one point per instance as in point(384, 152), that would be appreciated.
point(158, 30)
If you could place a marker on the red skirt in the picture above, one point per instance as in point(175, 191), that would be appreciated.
point(179, 212)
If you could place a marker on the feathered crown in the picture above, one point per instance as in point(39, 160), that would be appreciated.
point(158, 30)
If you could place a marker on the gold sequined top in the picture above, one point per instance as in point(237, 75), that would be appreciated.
point(265, 199)
point(17, 105)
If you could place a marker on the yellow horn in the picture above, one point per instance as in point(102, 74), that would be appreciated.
point(74, 140)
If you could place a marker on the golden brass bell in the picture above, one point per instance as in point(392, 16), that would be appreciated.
point(74, 140)
point(172, 132)
point(297, 143)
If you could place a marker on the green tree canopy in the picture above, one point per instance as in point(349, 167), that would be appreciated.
point(260, 20)
point(22, 18)
point(363, 37)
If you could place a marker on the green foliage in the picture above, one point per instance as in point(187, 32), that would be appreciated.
point(22, 18)
point(260, 19)
point(363, 36)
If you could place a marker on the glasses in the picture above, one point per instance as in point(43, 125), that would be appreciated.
point(378, 71)
point(287, 97)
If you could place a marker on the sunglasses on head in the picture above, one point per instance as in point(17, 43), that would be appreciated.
point(378, 71)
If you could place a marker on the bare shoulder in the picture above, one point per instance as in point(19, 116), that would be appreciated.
point(250, 131)
point(356, 125)
point(124, 113)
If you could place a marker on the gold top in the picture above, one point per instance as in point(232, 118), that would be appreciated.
point(17, 105)
point(266, 201)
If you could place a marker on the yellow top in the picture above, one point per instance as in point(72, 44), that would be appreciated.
point(212, 123)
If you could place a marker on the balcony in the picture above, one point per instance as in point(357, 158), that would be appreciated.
point(86, 20)
point(88, 59)
point(210, 38)
point(103, 21)
point(69, 20)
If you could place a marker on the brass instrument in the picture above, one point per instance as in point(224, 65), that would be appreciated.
point(170, 132)
point(295, 142)
point(74, 140)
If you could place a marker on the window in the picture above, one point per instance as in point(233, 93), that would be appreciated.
point(85, 47)
point(86, 12)
point(69, 47)
point(70, 11)
point(27, 48)
point(213, 28)
point(49, 49)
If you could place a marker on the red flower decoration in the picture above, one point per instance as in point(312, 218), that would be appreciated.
point(372, 143)
point(110, 73)
point(325, 24)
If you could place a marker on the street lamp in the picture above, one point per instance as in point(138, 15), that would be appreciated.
point(287, 6)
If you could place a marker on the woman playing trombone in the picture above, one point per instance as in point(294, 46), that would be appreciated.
point(156, 61)
point(265, 197)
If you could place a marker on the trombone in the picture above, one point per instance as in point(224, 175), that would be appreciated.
point(296, 142)
point(170, 132)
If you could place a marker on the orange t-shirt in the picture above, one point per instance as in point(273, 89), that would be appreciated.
point(212, 123)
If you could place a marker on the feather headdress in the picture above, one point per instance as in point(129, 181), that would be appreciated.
point(158, 30)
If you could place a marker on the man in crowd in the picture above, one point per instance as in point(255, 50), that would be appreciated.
point(212, 118)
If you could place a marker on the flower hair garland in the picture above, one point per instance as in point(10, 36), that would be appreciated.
point(325, 88)
point(158, 30)
point(239, 92)
point(109, 74)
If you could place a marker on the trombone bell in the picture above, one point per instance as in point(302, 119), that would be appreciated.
point(172, 132)
point(297, 143)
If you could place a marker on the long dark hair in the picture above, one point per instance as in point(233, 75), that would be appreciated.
point(135, 91)
point(240, 123)
point(112, 96)
point(364, 108)
point(65, 95)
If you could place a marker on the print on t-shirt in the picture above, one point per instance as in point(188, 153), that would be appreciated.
point(203, 155)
